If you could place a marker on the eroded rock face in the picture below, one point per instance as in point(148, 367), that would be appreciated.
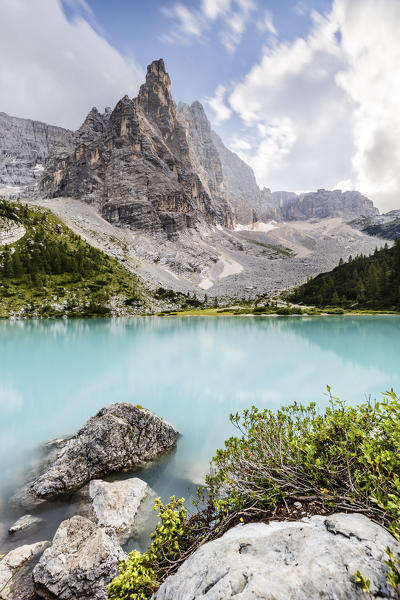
point(306, 560)
point(204, 157)
point(250, 204)
point(24, 146)
point(121, 508)
point(16, 568)
point(120, 437)
point(134, 164)
point(80, 563)
point(324, 204)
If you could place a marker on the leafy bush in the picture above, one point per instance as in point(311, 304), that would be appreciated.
point(346, 459)
point(141, 575)
point(289, 310)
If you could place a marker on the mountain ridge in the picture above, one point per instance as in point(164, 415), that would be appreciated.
point(186, 176)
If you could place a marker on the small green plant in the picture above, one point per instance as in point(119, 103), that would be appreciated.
point(141, 575)
point(363, 583)
point(393, 562)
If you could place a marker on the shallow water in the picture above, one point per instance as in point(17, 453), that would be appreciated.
point(192, 371)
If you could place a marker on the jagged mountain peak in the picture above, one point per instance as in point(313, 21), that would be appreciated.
point(136, 166)
point(156, 91)
point(94, 124)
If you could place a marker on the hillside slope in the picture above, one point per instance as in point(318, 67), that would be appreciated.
point(47, 270)
point(361, 282)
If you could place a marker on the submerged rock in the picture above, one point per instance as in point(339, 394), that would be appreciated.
point(312, 559)
point(80, 563)
point(121, 508)
point(16, 568)
point(120, 437)
point(25, 523)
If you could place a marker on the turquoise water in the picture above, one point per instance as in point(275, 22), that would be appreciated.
point(193, 372)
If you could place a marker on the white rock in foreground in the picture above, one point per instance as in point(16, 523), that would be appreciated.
point(80, 563)
point(308, 560)
point(122, 508)
point(16, 571)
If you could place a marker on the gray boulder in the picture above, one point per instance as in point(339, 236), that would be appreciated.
point(122, 508)
point(16, 568)
point(80, 563)
point(120, 437)
point(315, 558)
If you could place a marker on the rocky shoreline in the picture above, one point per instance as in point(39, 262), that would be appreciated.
point(313, 557)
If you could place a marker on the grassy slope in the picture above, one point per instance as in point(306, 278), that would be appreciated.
point(53, 272)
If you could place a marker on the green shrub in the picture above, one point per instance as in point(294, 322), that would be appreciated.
point(346, 458)
point(289, 310)
point(141, 575)
point(261, 309)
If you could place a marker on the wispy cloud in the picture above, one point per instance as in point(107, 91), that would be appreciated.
point(193, 24)
point(221, 110)
point(267, 23)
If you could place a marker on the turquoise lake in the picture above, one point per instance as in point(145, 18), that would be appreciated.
point(192, 371)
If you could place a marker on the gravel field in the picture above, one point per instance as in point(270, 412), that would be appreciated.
point(218, 261)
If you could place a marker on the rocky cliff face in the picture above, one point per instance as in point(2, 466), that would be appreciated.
point(24, 145)
point(250, 204)
point(135, 164)
point(324, 204)
point(204, 155)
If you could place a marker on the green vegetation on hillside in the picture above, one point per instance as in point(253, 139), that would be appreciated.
point(365, 282)
point(340, 459)
point(53, 272)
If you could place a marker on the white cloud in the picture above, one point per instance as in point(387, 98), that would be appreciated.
point(222, 112)
point(214, 8)
point(325, 108)
point(370, 41)
point(188, 24)
point(236, 23)
point(267, 24)
point(55, 70)
point(300, 8)
point(295, 112)
point(194, 24)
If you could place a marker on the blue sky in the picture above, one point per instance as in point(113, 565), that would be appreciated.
point(138, 29)
point(306, 91)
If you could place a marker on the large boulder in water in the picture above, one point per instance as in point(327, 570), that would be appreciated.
point(120, 437)
point(122, 508)
point(16, 568)
point(80, 563)
point(312, 559)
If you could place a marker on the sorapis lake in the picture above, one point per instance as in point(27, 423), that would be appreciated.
point(192, 371)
